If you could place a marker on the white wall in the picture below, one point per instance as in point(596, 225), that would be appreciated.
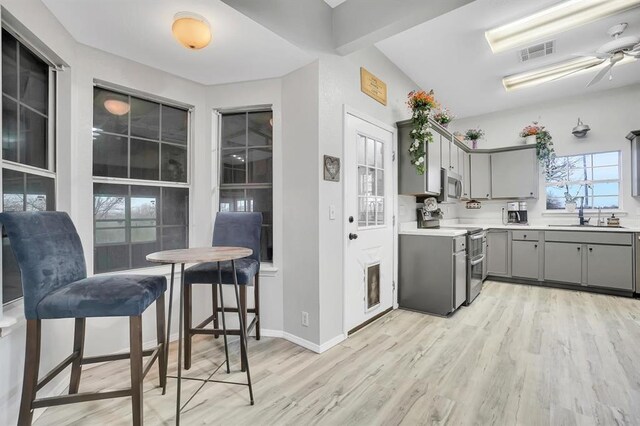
point(611, 115)
point(340, 85)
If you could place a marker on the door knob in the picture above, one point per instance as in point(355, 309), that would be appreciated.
point(353, 236)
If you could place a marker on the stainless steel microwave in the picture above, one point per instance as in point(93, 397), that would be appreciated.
point(451, 190)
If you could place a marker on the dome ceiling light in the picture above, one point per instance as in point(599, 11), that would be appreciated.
point(191, 30)
point(116, 106)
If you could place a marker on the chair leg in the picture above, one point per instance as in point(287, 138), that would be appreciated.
point(243, 312)
point(214, 300)
point(135, 341)
point(187, 325)
point(256, 295)
point(162, 339)
point(78, 348)
point(31, 367)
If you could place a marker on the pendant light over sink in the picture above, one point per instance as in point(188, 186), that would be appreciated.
point(191, 30)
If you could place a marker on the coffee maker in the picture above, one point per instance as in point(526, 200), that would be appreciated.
point(517, 213)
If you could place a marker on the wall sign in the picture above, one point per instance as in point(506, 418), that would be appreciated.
point(331, 168)
point(373, 86)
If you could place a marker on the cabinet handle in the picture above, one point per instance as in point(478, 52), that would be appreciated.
point(535, 246)
point(590, 248)
point(578, 248)
point(525, 235)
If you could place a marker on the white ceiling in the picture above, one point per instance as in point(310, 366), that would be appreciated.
point(140, 30)
point(451, 55)
point(334, 3)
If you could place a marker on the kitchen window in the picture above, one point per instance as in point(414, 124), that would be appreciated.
point(246, 168)
point(591, 180)
point(28, 148)
point(140, 170)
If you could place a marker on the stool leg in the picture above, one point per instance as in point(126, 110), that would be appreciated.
point(214, 302)
point(243, 311)
point(78, 349)
point(162, 340)
point(168, 334)
point(187, 326)
point(243, 331)
point(224, 324)
point(135, 341)
point(31, 367)
point(256, 295)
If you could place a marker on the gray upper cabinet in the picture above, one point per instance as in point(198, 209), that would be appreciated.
point(634, 137)
point(498, 253)
point(514, 174)
point(525, 259)
point(563, 262)
point(610, 266)
point(466, 174)
point(410, 182)
point(480, 175)
point(445, 150)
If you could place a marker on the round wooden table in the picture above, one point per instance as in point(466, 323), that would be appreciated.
point(201, 255)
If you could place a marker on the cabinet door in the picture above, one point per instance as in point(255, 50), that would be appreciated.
point(460, 278)
point(524, 259)
point(610, 266)
point(480, 176)
point(433, 184)
point(454, 155)
point(466, 175)
point(445, 150)
point(563, 262)
point(514, 174)
point(498, 253)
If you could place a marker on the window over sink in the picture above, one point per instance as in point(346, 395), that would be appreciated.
point(591, 180)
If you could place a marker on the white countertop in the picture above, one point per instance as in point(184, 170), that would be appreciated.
point(410, 228)
point(434, 232)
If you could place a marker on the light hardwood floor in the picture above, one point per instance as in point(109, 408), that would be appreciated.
point(519, 355)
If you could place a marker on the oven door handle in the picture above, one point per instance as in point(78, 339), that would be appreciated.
point(475, 262)
point(477, 237)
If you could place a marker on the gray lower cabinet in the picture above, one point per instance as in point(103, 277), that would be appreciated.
point(498, 253)
point(524, 259)
point(563, 262)
point(610, 266)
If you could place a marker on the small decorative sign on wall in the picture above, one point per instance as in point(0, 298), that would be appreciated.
point(373, 86)
point(331, 168)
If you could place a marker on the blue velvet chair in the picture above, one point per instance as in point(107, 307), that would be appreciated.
point(55, 285)
point(236, 229)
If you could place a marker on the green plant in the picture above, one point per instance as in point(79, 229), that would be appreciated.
point(544, 149)
point(421, 104)
point(474, 134)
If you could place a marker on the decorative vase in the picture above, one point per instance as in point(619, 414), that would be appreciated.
point(531, 139)
point(445, 125)
point(570, 207)
point(474, 143)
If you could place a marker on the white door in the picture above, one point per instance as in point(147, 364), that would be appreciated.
point(369, 231)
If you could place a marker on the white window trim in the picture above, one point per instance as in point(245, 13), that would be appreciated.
point(562, 212)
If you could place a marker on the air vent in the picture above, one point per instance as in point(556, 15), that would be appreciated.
point(537, 51)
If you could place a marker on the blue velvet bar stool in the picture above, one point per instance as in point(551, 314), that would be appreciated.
point(237, 229)
point(55, 285)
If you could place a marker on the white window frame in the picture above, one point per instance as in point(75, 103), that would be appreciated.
point(142, 182)
point(52, 136)
point(589, 182)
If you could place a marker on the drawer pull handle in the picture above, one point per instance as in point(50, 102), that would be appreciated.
point(590, 248)
point(578, 248)
point(535, 246)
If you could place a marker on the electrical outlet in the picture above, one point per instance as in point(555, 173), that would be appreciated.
point(305, 319)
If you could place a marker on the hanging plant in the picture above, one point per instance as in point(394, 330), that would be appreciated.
point(421, 103)
point(545, 152)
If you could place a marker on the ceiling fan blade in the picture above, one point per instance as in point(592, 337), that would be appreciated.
point(598, 55)
point(601, 74)
point(578, 70)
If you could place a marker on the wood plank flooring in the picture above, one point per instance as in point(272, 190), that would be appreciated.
point(520, 355)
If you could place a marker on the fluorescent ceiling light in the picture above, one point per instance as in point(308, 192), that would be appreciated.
point(556, 71)
point(561, 17)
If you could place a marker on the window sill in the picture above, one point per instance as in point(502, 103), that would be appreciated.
point(589, 213)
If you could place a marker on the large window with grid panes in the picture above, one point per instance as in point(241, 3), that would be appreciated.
point(246, 168)
point(28, 145)
point(140, 172)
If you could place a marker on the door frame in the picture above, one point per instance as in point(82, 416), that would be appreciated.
point(347, 111)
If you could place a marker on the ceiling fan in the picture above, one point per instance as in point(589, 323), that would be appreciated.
point(614, 51)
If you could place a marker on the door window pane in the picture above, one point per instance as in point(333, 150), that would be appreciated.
point(361, 148)
point(145, 119)
point(110, 155)
point(175, 122)
point(145, 159)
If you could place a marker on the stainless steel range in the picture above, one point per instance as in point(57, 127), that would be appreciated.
point(476, 264)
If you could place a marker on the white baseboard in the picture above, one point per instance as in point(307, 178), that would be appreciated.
point(332, 342)
point(301, 342)
point(271, 333)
